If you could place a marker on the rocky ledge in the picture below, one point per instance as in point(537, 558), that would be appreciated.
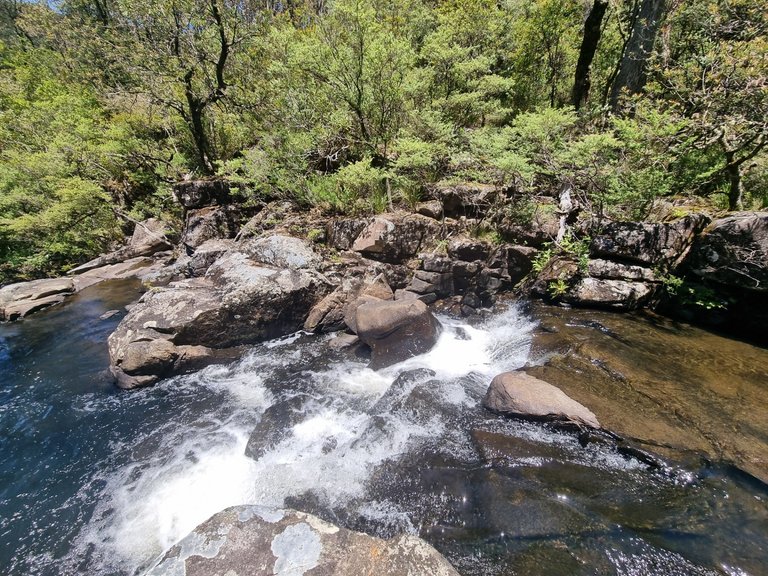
point(259, 290)
point(256, 540)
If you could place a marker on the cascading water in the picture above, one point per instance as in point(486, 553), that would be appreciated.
point(101, 482)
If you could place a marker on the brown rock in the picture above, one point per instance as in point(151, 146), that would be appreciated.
point(519, 394)
point(396, 331)
point(23, 298)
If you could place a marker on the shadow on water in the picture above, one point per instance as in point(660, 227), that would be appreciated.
point(100, 482)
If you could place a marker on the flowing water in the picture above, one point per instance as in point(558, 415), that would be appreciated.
point(98, 481)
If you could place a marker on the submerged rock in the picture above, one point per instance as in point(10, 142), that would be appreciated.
point(256, 540)
point(519, 394)
point(678, 391)
point(396, 331)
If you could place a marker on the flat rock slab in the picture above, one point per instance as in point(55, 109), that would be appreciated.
point(247, 540)
point(23, 298)
point(679, 391)
point(520, 394)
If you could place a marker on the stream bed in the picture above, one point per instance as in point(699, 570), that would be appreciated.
point(98, 481)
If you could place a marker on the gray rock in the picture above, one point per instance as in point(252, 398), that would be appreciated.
point(648, 244)
point(395, 237)
point(239, 301)
point(149, 237)
point(142, 267)
point(608, 269)
point(396, 331)
point(616, 294)
point(199, 193)
point(469, 250)
point(436, 263)
point(343, 233)
point(519, 394)
point(733, 251)
point(23, 298)
point(206, 254)
point(209, 223)
point(282, 252)
point(432, 209)
point(257, 540)
point(466, 199)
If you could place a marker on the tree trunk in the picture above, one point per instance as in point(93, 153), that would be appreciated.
point(735, 190)
point(631, 76)
point(592, 32)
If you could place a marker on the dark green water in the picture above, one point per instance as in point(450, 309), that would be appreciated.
point(97, 481)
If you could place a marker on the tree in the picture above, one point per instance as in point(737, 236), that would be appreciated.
point(185, 55)
point(645, 22)
point(592, 32)
point(717, 75)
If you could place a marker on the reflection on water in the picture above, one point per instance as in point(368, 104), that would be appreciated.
point(100, 482)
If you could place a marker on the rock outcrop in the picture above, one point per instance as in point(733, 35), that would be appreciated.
point(728, 272)
point(648, 244)
point(396, 331)
point(395, 237)
point(199, 193)
point(260, 290)
point(733, 252)
point(619, 269)
point(519, 394)
point(19, 300)
point(149, 237)
point(256, 540)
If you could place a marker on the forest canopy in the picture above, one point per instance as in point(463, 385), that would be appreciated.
point(353, 105)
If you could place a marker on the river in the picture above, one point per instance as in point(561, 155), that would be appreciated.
point(98, 481)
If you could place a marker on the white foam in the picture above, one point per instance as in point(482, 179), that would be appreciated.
point(198, 466)
point(153, 504)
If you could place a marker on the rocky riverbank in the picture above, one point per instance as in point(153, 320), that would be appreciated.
point(236, 277)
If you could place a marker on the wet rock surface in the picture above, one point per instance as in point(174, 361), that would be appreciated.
point(396, 331)
point(678, 390)
point(256, 540)
point(520, 394)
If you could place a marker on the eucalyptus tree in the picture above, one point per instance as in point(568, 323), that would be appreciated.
point(188, 56)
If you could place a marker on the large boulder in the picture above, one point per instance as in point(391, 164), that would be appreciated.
point(519, 394)
point(648, 244)
point(240, 300)
point(256, 540)
point(396, 331)
point(733, 251)
point(395, 237)
point(605, 293)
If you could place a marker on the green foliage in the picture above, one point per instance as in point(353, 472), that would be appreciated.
point(357, 105)
point(542, 258)
point(692, 294)
point(558, 288)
